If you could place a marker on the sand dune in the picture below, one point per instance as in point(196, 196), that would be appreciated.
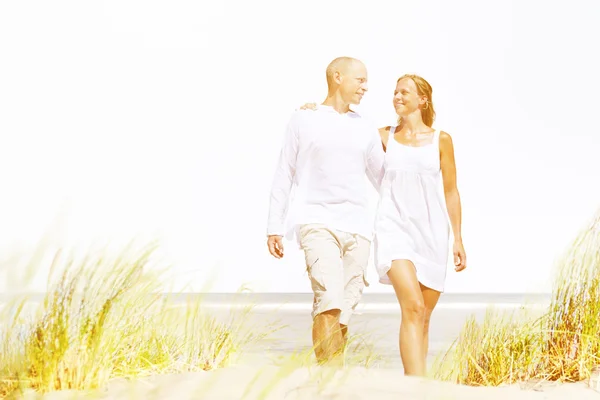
point(275, 383)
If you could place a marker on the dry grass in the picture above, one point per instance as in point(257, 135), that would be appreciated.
point(561, 345)
point(105, 318)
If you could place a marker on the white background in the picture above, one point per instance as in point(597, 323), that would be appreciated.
point(164, 119)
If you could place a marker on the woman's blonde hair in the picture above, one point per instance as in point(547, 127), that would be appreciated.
point(423, 89)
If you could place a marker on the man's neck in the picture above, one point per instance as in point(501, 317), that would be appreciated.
point(335, 101)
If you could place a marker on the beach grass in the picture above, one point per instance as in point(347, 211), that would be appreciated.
point(106, 317)
point(562, 344)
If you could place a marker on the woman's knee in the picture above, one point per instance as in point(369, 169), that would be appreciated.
point(414, 310)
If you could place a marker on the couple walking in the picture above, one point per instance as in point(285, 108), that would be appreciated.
point(327, 154)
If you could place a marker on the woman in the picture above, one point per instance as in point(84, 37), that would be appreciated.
point(411, 225)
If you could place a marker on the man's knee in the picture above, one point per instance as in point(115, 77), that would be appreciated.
point(332, 315)
point(353, 293)
point(328, 288)
point(355, 280)
point(328, 305)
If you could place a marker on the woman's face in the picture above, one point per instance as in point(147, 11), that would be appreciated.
point(406, 97)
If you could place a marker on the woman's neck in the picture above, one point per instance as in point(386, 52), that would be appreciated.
point(413, 123)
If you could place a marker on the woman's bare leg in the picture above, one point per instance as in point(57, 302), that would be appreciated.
point(430, 298)
point(403, 276)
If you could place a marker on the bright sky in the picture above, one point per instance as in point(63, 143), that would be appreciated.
point(165, 118)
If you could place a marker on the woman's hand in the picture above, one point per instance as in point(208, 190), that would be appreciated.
point(460, 257)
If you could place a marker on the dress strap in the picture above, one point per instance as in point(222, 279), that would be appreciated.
point(436, 138)
point(436, 143)
point(390, 136)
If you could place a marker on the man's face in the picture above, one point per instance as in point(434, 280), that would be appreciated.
point(353, 84)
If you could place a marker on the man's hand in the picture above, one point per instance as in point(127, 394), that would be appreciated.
point(275, 244)
point(309, 106)
point(460, 257)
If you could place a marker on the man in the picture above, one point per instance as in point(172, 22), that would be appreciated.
point(326, 154)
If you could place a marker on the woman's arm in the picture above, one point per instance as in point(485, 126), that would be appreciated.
point(452, 196)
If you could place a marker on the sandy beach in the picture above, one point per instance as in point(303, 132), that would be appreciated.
point(273, 383)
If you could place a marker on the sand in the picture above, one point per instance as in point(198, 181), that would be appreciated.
point(245, 382)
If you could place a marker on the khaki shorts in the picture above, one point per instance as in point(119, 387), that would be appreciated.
point(336, 263)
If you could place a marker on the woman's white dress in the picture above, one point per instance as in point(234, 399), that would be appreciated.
point(412, 220)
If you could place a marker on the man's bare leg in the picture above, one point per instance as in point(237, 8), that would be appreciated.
point(344, 330)
point(328, 339)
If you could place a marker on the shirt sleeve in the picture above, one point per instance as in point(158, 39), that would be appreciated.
point(282, 182)
point(375, 159)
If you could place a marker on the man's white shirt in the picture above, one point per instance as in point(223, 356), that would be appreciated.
point(322, 168)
